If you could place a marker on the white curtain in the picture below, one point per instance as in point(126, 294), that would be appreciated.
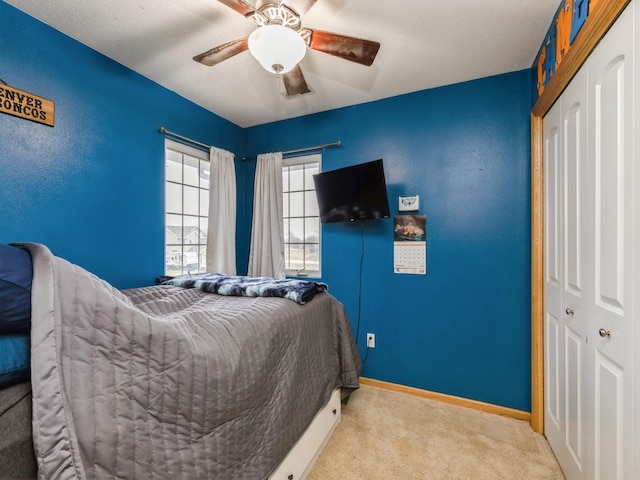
point(266, 255)
point(221, 235)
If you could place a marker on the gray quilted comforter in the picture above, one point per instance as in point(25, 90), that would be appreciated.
point(170, 383)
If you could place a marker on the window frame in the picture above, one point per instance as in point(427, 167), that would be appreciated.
point(201, 219)
point(298, 160)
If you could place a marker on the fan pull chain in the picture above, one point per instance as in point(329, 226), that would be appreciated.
point(277, 69)
point(280, 86)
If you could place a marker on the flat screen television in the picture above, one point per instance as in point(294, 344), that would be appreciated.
point(358, 192)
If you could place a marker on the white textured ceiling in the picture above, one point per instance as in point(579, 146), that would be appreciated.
point(424, 44)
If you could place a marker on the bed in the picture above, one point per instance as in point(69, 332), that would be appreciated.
point(171, 382)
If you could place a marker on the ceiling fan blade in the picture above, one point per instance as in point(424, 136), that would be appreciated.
point(294, 82)
point(241, 6)
point(300, 6)
point(350, 48)
point(222, 52)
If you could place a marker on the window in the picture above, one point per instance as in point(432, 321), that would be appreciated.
point(186, 208)
point(301, 217)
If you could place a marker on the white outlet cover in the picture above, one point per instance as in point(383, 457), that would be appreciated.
point(371, 340)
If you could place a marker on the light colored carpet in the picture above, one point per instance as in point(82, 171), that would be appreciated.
point(388, 435)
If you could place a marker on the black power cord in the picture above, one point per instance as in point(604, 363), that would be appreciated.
point(360, 290)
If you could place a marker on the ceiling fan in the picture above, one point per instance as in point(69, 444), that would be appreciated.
point(280, 42)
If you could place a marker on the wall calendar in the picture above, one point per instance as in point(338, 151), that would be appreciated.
point(410, 244)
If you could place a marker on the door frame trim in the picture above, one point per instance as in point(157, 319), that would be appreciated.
point(594, 28)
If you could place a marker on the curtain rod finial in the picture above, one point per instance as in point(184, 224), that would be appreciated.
point(163, 130)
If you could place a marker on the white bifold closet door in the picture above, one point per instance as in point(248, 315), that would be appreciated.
point(566, 288)
point(590, 232)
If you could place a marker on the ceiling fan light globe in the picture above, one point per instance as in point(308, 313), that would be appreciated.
point(276, 46)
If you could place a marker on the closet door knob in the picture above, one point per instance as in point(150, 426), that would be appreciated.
point(604, 333)
point(569, 311)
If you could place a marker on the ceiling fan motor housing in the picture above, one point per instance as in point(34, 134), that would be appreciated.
point(275, 14)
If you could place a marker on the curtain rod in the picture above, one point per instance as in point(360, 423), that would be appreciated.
point(164, 131)
point(306, 149)
point(337, 143)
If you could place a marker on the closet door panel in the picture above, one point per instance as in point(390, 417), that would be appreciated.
point(575, 247)
point(574, 397)
point(609, 407)
point(611, 308)
point(553, 366)
point(553, 361)
point(610, 166)
point(552, 196)
point(574, 158)
point(564, 135)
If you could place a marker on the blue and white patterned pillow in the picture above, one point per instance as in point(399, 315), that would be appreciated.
point(14, 359)
point(15, 290)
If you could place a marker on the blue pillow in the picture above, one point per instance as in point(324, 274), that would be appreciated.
point(14, 359)
point(16, 272)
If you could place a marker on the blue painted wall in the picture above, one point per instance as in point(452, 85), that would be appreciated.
point(464, 328)
point(92, 187)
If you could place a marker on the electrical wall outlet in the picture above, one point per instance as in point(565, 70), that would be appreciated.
point(371, 340)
